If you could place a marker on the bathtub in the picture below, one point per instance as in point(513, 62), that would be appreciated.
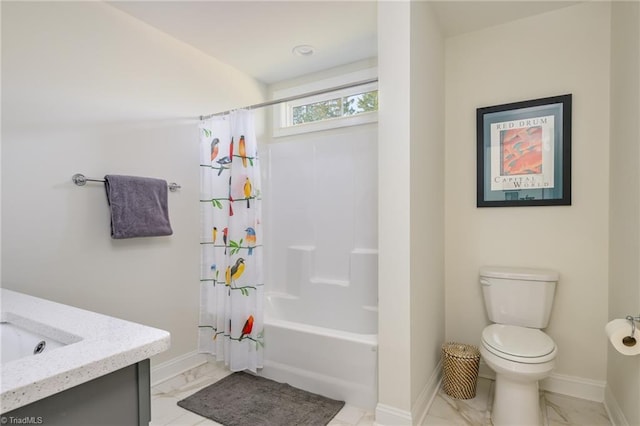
point(335, 363)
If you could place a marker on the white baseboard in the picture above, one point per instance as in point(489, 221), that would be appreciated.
point(427, 395)
point(178, 365)
point(578, 387)
point(387, 415)
point(486, 372)
point(614, 411)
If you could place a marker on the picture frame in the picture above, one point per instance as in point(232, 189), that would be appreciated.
point(524, 153)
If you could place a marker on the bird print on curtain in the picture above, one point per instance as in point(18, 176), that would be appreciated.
point(231, 285)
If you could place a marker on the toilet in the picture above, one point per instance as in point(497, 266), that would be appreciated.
point(518, 302)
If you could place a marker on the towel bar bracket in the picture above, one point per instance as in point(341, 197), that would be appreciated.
point(81, 180)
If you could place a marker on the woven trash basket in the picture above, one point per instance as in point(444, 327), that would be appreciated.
point(460, 363)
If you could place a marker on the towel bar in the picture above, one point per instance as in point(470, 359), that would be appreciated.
point(80, 180)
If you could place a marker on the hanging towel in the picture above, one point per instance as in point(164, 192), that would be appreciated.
point(139, 206)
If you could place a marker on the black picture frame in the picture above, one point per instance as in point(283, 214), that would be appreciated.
point(524, 153)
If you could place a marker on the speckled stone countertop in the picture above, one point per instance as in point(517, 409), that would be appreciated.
point(95, 345)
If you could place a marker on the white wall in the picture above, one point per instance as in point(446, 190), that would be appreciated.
point(394, 215)
point(427, 203)
point(565, 51)
point(88, 89)
point(623, 373)
point(410, 209)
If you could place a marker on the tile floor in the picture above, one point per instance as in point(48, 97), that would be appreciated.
point(165, 396)
point(558, 410)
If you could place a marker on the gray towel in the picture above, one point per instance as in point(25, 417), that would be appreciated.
point(138, 206)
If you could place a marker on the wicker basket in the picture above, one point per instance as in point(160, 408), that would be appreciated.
point(460, 363)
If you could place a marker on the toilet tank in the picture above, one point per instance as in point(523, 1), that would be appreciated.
point(518, 296)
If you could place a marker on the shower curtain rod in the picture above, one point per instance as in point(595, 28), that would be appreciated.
point(296, 97)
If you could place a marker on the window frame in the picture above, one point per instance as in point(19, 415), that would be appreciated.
point(283, 113)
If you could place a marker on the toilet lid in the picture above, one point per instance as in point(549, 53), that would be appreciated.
point(518, 341)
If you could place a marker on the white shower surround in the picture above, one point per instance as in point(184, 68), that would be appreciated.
point(320, 209)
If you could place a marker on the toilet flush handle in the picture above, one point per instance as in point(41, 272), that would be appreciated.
point(484, 282)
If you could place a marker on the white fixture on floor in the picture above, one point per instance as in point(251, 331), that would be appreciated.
point(518, 302)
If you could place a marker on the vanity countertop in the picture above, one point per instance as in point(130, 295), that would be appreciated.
point(96, 345)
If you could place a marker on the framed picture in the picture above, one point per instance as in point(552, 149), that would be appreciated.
point(524, 153)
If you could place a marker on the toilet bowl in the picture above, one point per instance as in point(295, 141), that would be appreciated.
point(520, 357)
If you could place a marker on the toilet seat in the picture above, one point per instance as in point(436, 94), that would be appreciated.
point(519, 344)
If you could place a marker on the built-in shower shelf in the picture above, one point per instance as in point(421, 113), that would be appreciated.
point(303, 248)
point(281, 295)
point(364, 251)
point(329, 281)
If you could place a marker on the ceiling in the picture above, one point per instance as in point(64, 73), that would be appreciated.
point(257, 37)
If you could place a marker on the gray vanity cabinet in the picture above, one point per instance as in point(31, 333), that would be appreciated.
point(121, 398)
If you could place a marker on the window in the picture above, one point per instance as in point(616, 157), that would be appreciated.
point(346, 107)
point(335, 108)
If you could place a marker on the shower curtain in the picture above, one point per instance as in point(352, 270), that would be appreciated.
point(231, 284)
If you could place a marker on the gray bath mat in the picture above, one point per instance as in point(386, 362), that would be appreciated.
point(242, 399)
